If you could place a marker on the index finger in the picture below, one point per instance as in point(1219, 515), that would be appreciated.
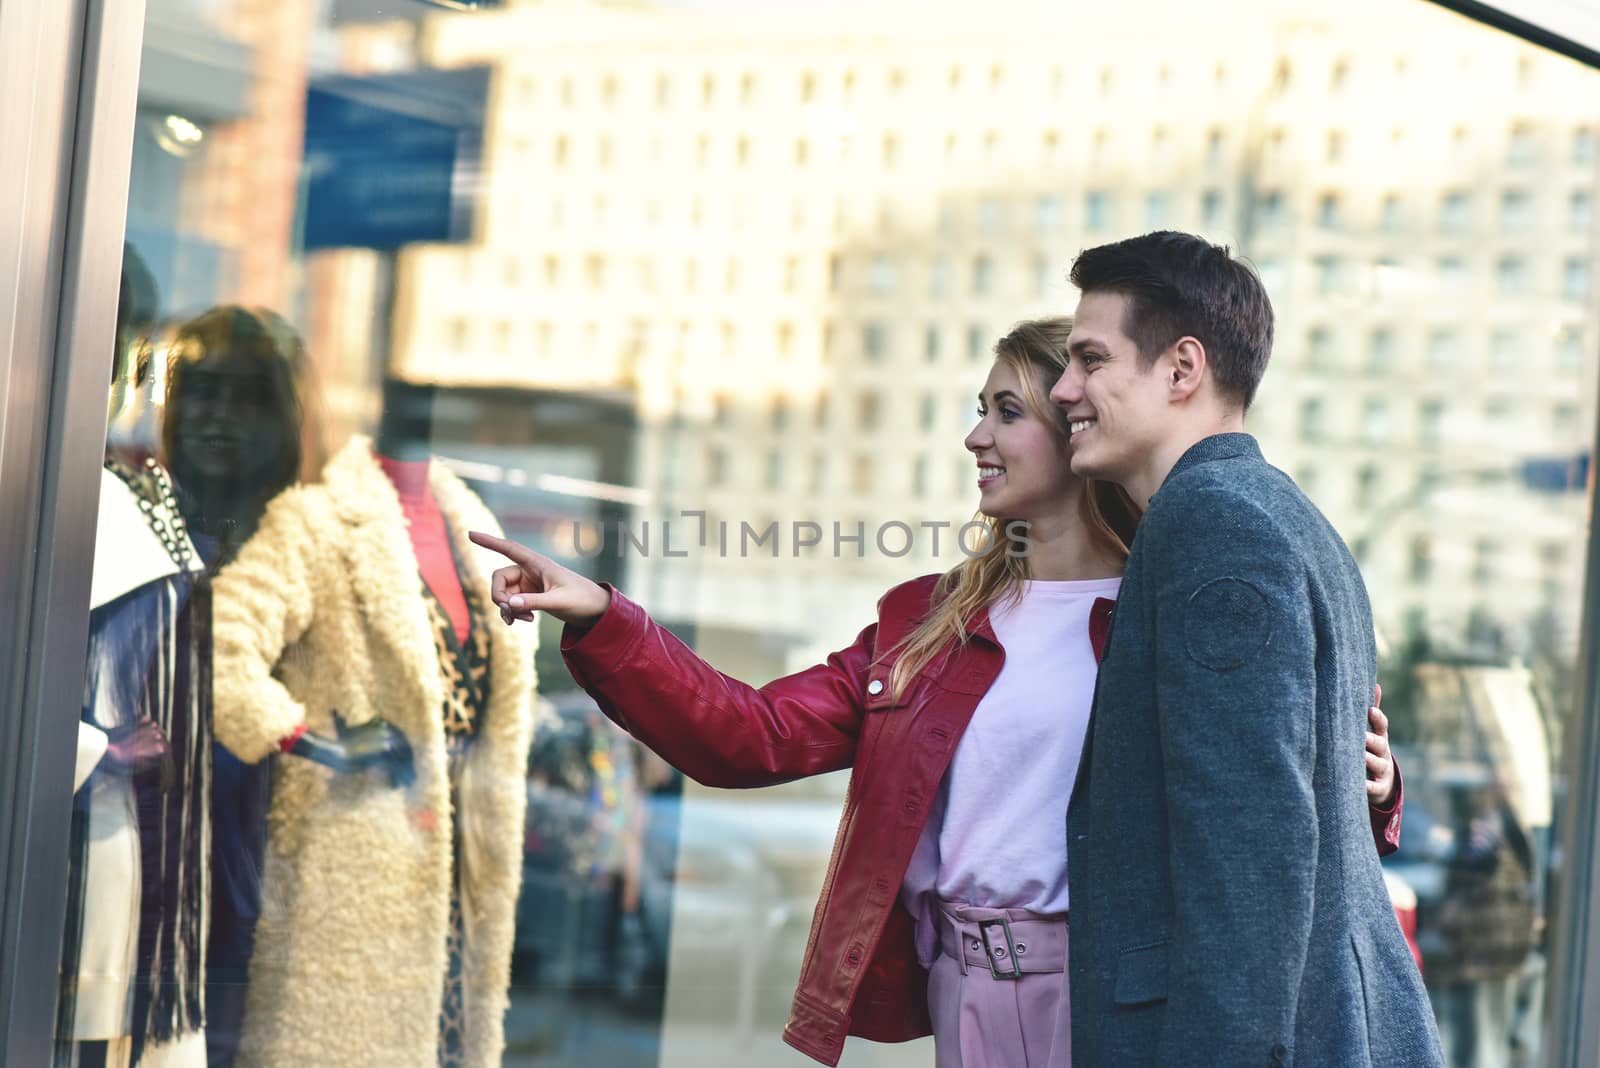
point(518, 554)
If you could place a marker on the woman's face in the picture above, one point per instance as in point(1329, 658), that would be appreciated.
point(229, 426)
point(1023, 466)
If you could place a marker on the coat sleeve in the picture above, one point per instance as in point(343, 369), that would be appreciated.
point(1236, 700)
point(261, 604)
point(1386, 818)
point(712, 727)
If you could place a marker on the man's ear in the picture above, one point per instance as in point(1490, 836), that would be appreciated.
point(1186, 368)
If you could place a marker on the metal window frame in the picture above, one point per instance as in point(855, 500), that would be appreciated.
point(69, 79)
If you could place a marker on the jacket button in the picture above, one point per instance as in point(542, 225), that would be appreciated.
point(875, 687)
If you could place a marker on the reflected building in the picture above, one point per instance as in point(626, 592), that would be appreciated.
point(793, 237)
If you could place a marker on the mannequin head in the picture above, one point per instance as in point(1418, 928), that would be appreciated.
point(239, 424)
point(405, 428)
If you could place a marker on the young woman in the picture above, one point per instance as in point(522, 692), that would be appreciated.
point(962, 712)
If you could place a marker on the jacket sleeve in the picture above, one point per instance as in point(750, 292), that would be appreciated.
point(1236, 699)
point(1386, 818)
point(712, 727)
point(261, 604)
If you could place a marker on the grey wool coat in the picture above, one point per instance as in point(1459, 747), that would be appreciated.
point(1240, 665)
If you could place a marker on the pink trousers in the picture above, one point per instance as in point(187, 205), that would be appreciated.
point(997, 992)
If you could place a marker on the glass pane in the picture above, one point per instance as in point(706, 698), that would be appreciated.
point(697, 302)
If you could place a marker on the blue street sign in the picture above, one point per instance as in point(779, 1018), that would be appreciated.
point(392, 159)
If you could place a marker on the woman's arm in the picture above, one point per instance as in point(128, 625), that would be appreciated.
point(712, 727)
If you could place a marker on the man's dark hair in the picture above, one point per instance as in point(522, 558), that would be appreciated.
point(1181, 285)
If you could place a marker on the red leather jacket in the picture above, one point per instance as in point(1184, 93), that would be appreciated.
point(860, 974)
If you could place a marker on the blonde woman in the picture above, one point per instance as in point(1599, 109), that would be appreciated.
point(962, 713)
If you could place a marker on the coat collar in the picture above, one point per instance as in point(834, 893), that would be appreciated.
point(1216, 447)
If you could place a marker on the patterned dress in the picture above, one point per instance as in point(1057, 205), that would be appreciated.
point(464, 667)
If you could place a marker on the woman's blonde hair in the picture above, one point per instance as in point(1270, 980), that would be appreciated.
point(1037, 350)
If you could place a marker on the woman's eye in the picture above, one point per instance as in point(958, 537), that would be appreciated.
point(1009, 414)
point(983, 413)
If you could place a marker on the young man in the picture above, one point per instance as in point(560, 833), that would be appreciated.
point(1205, 932)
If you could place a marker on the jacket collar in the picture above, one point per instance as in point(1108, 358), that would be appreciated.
point(1216, 447)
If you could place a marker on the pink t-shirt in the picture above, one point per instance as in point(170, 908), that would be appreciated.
point(996, 835)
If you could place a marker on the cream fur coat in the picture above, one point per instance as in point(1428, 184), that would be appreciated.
point(323, 610)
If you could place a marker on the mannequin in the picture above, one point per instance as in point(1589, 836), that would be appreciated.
point(133, 954)
point(353, 632)
point(238, 427)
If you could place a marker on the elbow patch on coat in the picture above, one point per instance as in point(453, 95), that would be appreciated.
point(1226, 624)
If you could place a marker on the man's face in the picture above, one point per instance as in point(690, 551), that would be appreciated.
point(1119, 411)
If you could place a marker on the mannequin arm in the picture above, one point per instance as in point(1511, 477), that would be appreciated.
point(261, 604)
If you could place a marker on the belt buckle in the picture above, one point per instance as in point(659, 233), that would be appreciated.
point(984, 927)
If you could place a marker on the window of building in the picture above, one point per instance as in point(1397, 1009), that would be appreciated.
point(1047, 212)
point(1503, 349)
point(869, 408)
point(883, 275)
point(939, 277)
point(1375, 421)
point(1421, 562)
point(1366, 486)
point(1390, 214)
point(1575, 279)
point(1215, 144)
point(1510, 274)
point(861, 469)
point(1430, 423)
point(929, 413)
point(1328, 213)
point(1455, 211)
point(874, 341)
point(1329, 273)
point(1044, 276)
point(1580, 211)
point(1211, 214)
point(1319, 348)
point(1272, 208)
point(977, 343)
point(1583, 146)
point(1569, 348)
point(1516, 210)
point(1452, 272)
point(1158, 210)
point(1312, 413)
point(1520, 147)
point(982, 276)
point(991, 215)
point(1096, 209)
point(1380, 350)
point(930, 343)
point(1444, 347)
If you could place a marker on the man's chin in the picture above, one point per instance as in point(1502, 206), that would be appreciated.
point(1084, 465)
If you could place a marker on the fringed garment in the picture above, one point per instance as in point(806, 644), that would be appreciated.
point(134, 958)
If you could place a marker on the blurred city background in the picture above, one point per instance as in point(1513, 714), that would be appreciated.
point(749, 260)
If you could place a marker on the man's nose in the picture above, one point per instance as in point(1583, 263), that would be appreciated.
point(1068, 389)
